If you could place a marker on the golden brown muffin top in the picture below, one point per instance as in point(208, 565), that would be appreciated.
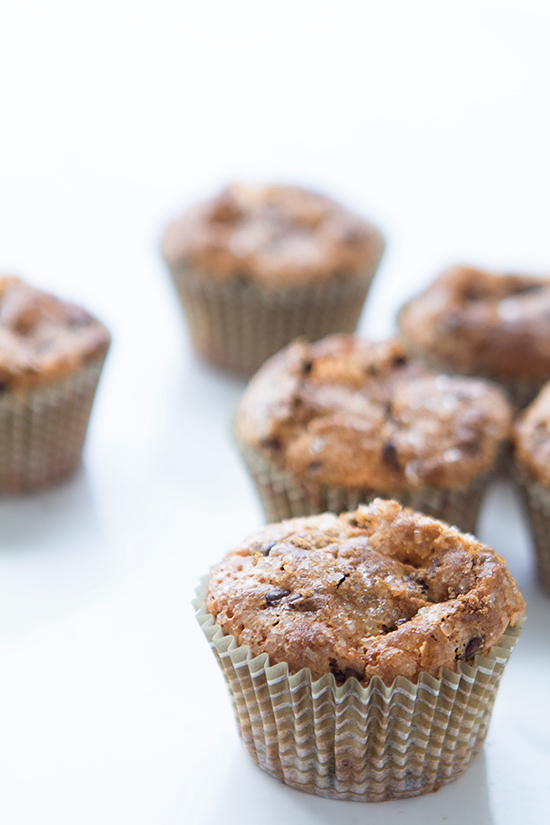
point(532, 437)
point(480, 322)
point(352, 413)
point(41, 337)
point(383, 591)
point(279, 235)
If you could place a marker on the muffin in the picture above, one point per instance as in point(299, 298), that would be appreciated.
point(51, 355)
point(532, 451)
point(257, 266)
point(479, 323)
point(362, 651)
point(329, 425)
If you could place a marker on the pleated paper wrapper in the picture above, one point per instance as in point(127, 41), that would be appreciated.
point(239, 323)
point(536, 497)
point(349, 742)
point(284, 496)
point(42, 429)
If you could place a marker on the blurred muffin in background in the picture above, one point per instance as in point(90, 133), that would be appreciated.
point(532, 450)
point(336, 423)
point(480, 323)
point(51, 355)
point(257, 266)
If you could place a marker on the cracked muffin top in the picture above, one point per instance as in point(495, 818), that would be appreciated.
point(382, 591)
point(532, 437)
point(278, 235)
point(348, 412)
point(41, 337)
point(480, 322)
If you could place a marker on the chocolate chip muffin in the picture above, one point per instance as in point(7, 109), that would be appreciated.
point(345, 639)
point(329, 425)
point(51, 355)
point(480, 323)
point(257, 266)
point(532, 451)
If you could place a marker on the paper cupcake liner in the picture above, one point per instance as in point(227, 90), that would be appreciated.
point(42, 429)
point(283, 496)
point(239, 323)
point(366, 744)
point(536, 498)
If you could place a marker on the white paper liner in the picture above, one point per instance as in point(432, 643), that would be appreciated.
point(238, 324)
point(283, 496)
point(536, 497)
point(366, 744)
point(42, 429)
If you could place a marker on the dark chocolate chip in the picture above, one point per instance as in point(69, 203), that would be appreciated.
point(307, 367)
point(274, 596)
point(473, 647)
point(342, 675)
point(389, 456)
point(272, 443)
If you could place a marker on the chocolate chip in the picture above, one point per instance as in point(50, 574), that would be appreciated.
point(342, 675)
point(307, 367)
point(272, 443)
point(389, 456)
point(399, 361)
point(473, 646)
point(267, 547)
point(274, 596)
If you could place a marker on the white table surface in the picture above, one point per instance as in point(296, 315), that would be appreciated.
point(433, 119)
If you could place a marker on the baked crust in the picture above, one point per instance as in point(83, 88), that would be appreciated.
point(532, 438)
point(43, 338)
point(479, 322)
point(383, 591)
point(352, 413)
point(278, 235)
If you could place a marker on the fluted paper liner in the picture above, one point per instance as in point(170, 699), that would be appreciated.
point(366, 744)
point(284, 496)
point(42, 429)
point(536, 497)
point(239, 323)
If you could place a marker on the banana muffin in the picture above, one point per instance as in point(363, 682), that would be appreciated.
point(329, 425)
point(51, 355)
point(481, 323)
point(257, 266)
point(532, 450)
point(347, 638)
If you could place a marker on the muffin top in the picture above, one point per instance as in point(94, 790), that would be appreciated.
point(352, 413)
point(532, 437)
point(480, 322)
point(41, 337)
point(383, 591)
point(275, 234)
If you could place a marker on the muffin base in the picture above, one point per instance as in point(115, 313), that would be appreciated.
point(536, 499)
point(239, 323)
point(366, 744)
point(42, 430)
point(283, 496)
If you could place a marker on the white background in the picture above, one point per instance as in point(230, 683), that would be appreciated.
point(430, 117)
